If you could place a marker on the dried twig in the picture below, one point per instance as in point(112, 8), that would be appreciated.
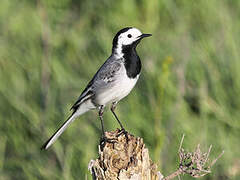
point(193, 163)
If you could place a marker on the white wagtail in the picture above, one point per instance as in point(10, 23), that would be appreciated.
point(112, 82)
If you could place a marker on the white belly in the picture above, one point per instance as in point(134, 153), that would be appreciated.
point(119, 90)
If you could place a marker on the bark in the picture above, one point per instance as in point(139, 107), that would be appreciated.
point(123, 156)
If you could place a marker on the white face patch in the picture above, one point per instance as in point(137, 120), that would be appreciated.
point(129, 36)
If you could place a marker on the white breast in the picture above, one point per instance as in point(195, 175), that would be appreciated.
point(120, 88)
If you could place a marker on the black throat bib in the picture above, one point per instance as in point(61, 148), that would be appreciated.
point(132, 61)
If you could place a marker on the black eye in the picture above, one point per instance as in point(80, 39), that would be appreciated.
point(129, 35)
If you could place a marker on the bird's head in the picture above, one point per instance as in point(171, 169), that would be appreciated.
point(129, 37)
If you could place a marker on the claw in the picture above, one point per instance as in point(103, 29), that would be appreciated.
point(105, 140)
point(123, 131)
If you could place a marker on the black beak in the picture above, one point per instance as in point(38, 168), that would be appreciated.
point(144, 35)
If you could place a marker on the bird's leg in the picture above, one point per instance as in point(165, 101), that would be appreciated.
point(100, 114)
point(114, 104)
point(104, 139)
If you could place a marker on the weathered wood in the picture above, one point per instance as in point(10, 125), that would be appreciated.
point(123, 157)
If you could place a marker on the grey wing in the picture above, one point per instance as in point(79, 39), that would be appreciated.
point(104, 77)
point(107, 74)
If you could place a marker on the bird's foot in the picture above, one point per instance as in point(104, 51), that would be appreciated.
point(105, 140)
point(123, 131)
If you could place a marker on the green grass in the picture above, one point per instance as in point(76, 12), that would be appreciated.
point(190, 82)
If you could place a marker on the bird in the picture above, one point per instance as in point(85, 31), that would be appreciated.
point(112, 82)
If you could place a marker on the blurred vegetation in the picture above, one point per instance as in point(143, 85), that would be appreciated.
point(190, 82)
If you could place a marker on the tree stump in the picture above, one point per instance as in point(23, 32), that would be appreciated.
point(123, 156)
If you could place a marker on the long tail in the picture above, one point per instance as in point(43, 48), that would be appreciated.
point(74, 115)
